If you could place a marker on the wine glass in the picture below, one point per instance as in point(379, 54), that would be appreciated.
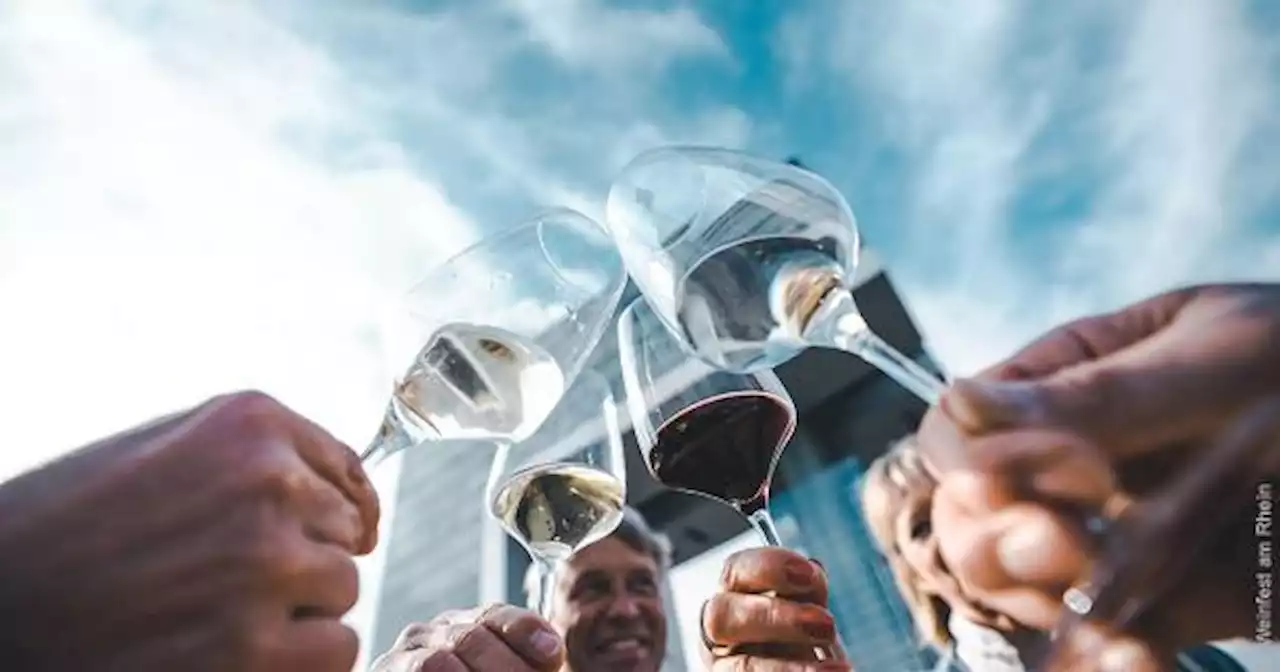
point(490, 339)
point(701, 429)
point(748, 260)
point(562, 488)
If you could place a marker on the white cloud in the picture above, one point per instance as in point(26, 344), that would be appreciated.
point(193, 204)
point(979, 100)
point(614, 41)
point(214, 195)
point(1193, 90)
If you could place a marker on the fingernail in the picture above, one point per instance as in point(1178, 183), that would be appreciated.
point(800, 573)
point(982, 405)
point(822, 569)
point(818, 627)
point(545, 643)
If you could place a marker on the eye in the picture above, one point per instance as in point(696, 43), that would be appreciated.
point(590, 590)
point(644, 586)
point(921, 529)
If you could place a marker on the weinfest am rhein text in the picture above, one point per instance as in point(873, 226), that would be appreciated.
point(1264, 585)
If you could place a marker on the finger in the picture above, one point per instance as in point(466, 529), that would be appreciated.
point(1095, 648)
point(480, 648)
point(528, 635)
point(434, 660)
point(325, 455)
point(340, 465)
point(413, 636)
point(1177, 385)
point(401, 660)
point(732, 619)
point(747, 662)
point(783, 573)
point(316, 645)
point(1045, 465)
point(327, 516)
point(1025, 545)
point(321, 582)
point(1130, 579)
point(791, 652)
point(1091, 338)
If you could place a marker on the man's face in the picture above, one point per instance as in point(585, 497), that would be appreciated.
point(609, 610)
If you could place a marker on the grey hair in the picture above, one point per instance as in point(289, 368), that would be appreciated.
point(633, 531)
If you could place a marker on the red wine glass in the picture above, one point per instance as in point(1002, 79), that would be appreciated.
point(701, 429)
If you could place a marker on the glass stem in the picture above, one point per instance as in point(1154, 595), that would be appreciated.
point(762, 521)
point(391, 439)
point(838, 322)
point(546, 586)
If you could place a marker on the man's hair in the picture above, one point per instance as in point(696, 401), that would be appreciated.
point(633, 531)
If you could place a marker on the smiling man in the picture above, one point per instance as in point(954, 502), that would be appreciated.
point(608, 605)
point(607, 615)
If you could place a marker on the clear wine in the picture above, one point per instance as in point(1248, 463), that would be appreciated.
point(748, 305)
point(557, 508)
point(724, 446)
point(474, 382)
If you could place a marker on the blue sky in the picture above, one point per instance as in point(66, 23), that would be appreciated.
point(206, 195)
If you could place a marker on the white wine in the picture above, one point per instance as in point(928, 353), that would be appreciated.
point(747, 306)
point(555, 509)
point(474, 382)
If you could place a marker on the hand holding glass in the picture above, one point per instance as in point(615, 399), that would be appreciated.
point(748, 260)
point(494, 335)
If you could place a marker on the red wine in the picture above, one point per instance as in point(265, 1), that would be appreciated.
point(723, 446)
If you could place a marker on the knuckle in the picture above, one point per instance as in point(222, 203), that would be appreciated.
point(278, 481)
point(453, 617)
point(251, 408)
point(460, 632)
point(469, 637)
point(281, 562)
point(412, 634)
point(732, 567)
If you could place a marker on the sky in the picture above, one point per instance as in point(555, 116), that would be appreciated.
point(210, 195)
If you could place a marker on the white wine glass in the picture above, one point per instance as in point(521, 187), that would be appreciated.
point(701, 429)
point(487, 342)
point(562, 488)
point(748, 260)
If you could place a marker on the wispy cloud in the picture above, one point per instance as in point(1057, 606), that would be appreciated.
point(1055, 161)
point(203, 196)
point(616, 42)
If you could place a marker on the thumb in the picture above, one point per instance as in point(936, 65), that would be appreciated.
point(1172, 387)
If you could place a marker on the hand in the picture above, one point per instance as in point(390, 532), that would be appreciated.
point(499, 638)
point(1169, 371)
point(769, 615)
point(1108, 405)
point(216, 539)
point(1171, 568)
